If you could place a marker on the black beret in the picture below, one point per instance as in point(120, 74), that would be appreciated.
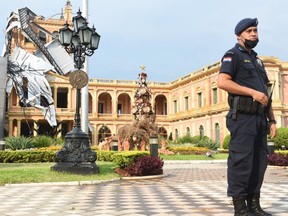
point(244, 24)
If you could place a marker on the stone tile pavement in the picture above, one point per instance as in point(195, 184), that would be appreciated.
point(188, 189)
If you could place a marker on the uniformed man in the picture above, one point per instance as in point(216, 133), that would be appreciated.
point(243, 76)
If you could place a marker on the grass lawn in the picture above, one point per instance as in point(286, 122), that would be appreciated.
point(40, 172)
point(11, 173)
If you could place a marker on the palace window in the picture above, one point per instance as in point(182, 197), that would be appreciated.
point(201, 131)
point(188, 131)
point(42, 37)
point(100, 107)
point(176, 134)
point(217, 133)
point(215, 95)
point(119, 109)
point(175, 106)
point(62, 95)
point(186, 103)
point(165, 108)
point(200, 99)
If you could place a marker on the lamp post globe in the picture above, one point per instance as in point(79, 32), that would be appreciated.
point(65, 35)
point(78, 21)
point(85, 34)
point(94, 39)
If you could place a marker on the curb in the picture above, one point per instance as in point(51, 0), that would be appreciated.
point(73, 183)
point(143, 177)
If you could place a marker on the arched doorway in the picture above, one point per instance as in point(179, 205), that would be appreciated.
point(104, 103)
point(124, 104)
point(103, 132)
point(162, 132)
point(161, 105)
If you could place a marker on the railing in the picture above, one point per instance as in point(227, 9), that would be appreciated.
point(196, 112)
point(125, 116)
point(105, 115)
point(161, 117)
point(126, 82)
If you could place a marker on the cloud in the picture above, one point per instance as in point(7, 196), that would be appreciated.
point(171, 37)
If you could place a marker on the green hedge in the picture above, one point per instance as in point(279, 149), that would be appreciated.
point(122, 159)
point(26, 156)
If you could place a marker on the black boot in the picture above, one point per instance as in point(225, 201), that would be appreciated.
point(240, 208)
point(253, 204)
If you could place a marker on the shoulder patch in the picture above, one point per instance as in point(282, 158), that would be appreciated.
point(259, 62)
point(227, 59)
point(228, 56)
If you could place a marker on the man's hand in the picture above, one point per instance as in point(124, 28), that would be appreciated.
point(273, 130)
point(226, 83)
point(260, 97)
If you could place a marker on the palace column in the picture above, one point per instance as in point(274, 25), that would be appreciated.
point(115, 104)
point(55, 89)
point(35, 126)
point(10, 133)
point(18, 127)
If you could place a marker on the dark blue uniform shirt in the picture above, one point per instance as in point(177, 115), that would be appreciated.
point(244, 68)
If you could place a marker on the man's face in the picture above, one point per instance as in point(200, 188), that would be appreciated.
point(250, 33)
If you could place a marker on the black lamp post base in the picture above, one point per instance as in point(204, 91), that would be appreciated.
point(79, 168)
point(76, 155)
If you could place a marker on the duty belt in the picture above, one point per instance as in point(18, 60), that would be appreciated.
point(244, 104)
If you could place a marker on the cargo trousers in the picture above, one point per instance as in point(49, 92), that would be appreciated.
point(247, 161)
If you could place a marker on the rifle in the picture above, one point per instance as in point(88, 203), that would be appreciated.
point(267, 108)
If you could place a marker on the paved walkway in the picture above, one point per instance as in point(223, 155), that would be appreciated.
point(188, 188)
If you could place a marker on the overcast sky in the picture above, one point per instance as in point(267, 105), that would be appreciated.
point(172, 38)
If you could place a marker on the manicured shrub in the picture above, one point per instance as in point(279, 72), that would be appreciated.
point(16, 143)
point(105, 155)
point(124, 159)
point(278, 159)
point(42, 141)
point(226, 142)
point(185, 139)
point(282, 138)
point(207, 143)
point(196, 139)
point(59, 141)
point(146, 166)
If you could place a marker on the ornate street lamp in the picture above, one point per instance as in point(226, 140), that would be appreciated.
point(76, 156)
point(81, 41)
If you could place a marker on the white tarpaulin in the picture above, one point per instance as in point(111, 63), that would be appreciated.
point(26, 71)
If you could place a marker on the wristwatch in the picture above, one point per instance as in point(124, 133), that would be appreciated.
point(272, 121)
